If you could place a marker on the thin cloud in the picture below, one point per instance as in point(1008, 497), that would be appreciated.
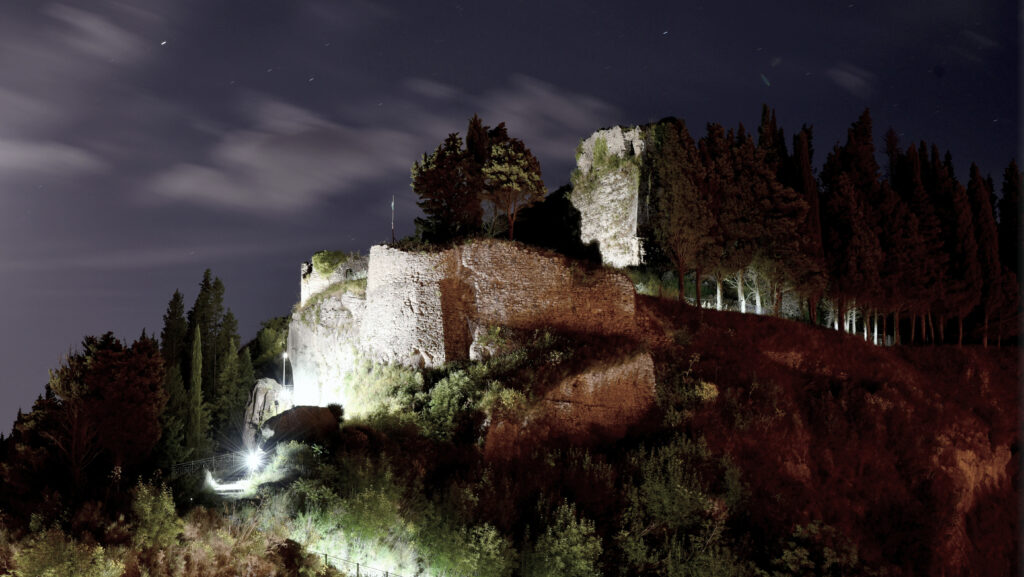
point(143, 258)
point(89, 33)
point(551, 121)
point(18, 157)
point(853, 79)
point(287, 159)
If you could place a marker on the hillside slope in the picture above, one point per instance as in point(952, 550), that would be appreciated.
point(908, 453)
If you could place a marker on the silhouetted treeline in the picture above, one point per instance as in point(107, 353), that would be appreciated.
point(905, 254)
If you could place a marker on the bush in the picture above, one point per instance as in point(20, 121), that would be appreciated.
point(53, 554)
point(569, 547)
point(157, 523)
point(327, 261)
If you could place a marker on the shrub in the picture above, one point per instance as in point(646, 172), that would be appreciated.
point(327, 261)
point(569, 547)
point(157, 523)
point(53, 554)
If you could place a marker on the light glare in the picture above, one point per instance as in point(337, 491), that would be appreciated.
point(253, 460)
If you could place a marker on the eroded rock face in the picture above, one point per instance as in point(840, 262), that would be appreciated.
point(267, 399)
point(610, 198)
point(305, 424)
point(602, 402)
point(323, 338)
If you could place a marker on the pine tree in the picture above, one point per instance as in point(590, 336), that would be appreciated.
point(986, 237)
point(448, 185)
point(174, 336)
point(513, 180)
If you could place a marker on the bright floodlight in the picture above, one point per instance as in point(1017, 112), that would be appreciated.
point(253, 460)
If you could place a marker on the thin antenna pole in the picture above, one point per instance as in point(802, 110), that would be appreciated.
point(392, 219)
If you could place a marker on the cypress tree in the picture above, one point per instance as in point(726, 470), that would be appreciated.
point(781, 210)
point(852, 252)
point(231, 398)
point(683, 220)
point(174, 335)
point(197, 426)
point(987, 241)
point(173, 448)
point(810, 276)
point(923, 279)
point(1009, 219)
point(731, 250)
point(963, 273)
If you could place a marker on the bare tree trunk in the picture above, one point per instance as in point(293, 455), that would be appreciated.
point(718, 292)
point(696, 282)
point(757, 294)
point(960, 339)
point(942, 329)
point(896, 327)
point(931, 328)
point(740, 293)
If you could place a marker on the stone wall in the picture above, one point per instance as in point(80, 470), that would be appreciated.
point(423, 309)
point(403, 308)
point(609, 199)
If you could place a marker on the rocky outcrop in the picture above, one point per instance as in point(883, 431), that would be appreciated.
point(603, 401)
point(323, 340)
point(267, 399)
point(311, 425)
point(608, 194)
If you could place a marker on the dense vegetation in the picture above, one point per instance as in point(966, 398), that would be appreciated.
point(906, 255)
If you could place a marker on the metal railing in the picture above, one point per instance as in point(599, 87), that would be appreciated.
point(360, 569)
point(213, 463)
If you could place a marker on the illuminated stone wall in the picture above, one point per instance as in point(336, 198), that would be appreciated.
point(323, 339)
point(423, 309)
point(609, 197)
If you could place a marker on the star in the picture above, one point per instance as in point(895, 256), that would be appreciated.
point(164, 43)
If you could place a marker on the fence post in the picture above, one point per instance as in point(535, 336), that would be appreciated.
point(325, 559)
point(357, 569)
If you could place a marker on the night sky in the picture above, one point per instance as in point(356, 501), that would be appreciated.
point(142, 142)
